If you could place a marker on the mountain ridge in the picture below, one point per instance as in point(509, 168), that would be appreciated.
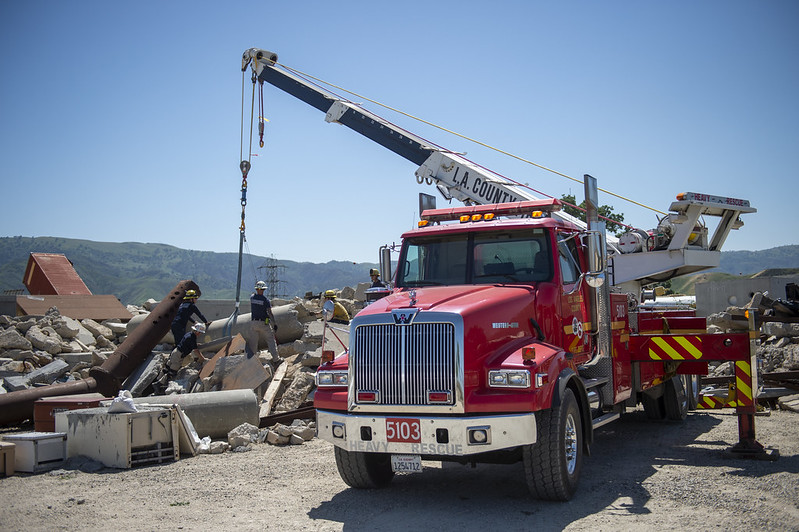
point(136, 271)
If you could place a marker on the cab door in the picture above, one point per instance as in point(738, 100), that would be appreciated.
point(574, 304)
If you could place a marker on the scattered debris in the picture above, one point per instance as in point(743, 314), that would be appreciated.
point(52, 349)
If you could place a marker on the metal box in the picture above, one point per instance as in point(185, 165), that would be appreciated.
point(45, 409)
point(123, 440)
point(38, 451)
point(6, 458)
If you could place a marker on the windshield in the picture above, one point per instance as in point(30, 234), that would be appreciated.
point(476, 258)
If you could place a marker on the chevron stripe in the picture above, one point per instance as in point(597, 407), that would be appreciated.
point(675, 348)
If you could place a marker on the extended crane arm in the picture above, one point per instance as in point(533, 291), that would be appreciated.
point(455, 176)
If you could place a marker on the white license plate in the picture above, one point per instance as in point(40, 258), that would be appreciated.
point(406, 463)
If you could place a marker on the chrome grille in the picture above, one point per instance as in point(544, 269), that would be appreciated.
point(403, 363)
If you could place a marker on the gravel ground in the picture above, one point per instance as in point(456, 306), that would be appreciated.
point(641, 475)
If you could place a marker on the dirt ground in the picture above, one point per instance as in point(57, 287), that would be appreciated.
point(641, 475)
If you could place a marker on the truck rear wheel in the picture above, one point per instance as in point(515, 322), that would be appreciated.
point(654, 407)
point(675, 399)
point(552, 465)
point(364, 470)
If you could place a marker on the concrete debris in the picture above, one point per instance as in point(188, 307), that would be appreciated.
point(49, 349)
point(778, 347)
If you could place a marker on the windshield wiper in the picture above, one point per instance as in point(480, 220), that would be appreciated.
point(421, 282)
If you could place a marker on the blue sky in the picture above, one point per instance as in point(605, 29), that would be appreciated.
point(120, 121)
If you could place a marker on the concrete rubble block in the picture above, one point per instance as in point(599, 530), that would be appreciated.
point(14, 383)
point(49, 373)
point(8, 365)
point(297, 392)
point(347, 292)
point(13, 339)
point(116, 327)
point(66, 327)
point(296, 440)
point(2, 387)
point(724, 320)
point(5, 320)
point(244, 434)
point(40, 339)
point(274, 438)
point(791, 357)
point(75, 358)
point(85, 337)
point(22, 325)
point(360, 291)
point(314, 331)
point(41, 358)
point(218, 447)
point(18, 354)
point(185, 378)
point(98, 357)
point(312, 359)
point(96, 329)
point(304, 432)
point(780, 330)
point(145, 375)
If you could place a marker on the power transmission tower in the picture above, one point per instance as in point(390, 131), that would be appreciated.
point(271, 274)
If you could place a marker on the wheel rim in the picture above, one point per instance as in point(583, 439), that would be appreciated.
point(570, 444)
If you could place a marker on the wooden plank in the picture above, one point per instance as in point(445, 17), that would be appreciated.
point(271, 392)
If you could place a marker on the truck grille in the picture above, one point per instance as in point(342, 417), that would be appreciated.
point(403, 363)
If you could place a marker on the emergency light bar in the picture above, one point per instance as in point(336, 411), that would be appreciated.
point(489, 211)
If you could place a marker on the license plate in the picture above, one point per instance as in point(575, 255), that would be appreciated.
point(406, 463)
point(403, 430)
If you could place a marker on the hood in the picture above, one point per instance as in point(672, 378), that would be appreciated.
point(459, 299)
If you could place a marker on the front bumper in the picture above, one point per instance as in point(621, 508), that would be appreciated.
point(442, 436)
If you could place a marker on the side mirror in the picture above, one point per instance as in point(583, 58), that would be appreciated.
point(327, 310)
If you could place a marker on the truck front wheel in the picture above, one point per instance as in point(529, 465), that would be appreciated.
point(552, 465)
point(364, 470)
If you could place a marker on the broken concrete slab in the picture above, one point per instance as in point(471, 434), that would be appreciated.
point(145, 375)
point(49, 373)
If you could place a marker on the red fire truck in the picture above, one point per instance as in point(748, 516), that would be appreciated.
point(513, 330)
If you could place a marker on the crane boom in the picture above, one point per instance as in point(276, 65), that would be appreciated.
point(455, 176)
point(680, 244)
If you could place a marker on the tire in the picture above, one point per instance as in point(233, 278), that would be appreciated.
point(552, 465)
point(364, 470)
point(654, 408)
point(675, 399)
point(693, 385)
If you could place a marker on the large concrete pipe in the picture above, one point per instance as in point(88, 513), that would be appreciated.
point(106, 379)
point(213, 414)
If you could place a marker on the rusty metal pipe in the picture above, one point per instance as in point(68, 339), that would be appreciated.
point(108, 378)
point(140, 342)
point(18, 406)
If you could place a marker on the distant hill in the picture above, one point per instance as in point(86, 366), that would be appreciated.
point(135, 272)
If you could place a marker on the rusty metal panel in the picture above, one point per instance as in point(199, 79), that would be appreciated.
point(53, 274)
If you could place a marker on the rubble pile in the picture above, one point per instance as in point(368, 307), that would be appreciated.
point(778, 349)
point(42, 350)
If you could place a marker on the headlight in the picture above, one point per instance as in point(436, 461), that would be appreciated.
point(331, 378)
point(509, 378)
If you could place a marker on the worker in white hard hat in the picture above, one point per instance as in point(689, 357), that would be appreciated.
point(263, 324)
point(187, 346)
